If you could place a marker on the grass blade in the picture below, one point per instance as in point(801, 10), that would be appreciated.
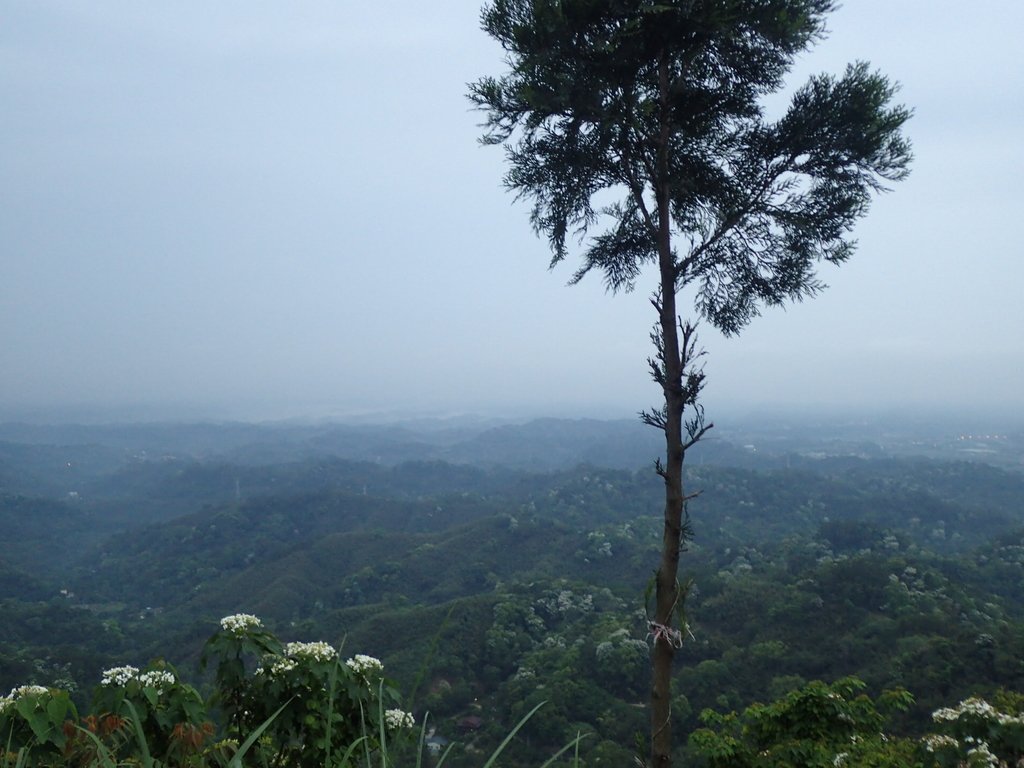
point(236, 760)
point(381, 725)
point(348, 752)
point(140, 736)
point(444, 757)
point(332, 684)
point(511, 734)
point(575, 743)
point(423, 737)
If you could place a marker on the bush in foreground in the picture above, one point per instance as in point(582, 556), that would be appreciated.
point(280, 705)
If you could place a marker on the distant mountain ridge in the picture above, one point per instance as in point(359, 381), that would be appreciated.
point(537, 445)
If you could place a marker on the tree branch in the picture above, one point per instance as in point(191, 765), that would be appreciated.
point(694, 439)
point(636, 188)
point(760, 196)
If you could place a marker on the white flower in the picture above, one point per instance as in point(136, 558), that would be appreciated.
point(318, 651)
point(240, 623)
point(156, 679)
point(396, 718)
point(939, 741)
point(364, 665)
point(524, 673)
point(280, 666)
point(28, 690)
point(6, 702)
point(981, 755)
point(119, 675)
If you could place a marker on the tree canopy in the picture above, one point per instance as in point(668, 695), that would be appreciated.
point(660, 103)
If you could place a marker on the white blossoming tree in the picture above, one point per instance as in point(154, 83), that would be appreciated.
point(977, 734)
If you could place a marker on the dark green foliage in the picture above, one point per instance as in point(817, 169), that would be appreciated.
point(56, 643)
point(37, 524)
point(663, 99)
point(817, 726)
point(36, 723)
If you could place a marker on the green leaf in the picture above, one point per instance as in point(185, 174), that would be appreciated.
point(140, 736)
point(574, 744)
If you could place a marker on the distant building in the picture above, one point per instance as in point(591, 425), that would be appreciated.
point(436, 744)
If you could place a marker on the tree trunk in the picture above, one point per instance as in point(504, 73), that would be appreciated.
point(666, 580)
point(667, 589)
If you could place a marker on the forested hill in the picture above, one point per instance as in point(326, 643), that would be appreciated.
point(506, 585)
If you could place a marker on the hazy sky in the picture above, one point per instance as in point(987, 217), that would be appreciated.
point(256, 209)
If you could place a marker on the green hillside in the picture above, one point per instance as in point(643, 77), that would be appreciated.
point(487, 590)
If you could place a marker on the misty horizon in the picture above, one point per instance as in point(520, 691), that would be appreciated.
point(726, 416)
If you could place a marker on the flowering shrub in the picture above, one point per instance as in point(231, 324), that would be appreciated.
point(33, 719)
point(168, 714)
point(157, 679)
point(314, 704)
point(366, 666)
point(119, 675)
point(240, 623)
point(398, 718)
point(306, 706)
point(21, 692)
point(977, 735)
point(311, 651)
point(237, 650)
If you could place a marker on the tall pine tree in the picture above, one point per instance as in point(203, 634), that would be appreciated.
point(658, 103)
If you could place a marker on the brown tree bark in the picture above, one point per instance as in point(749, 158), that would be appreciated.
point(666, 585)
point(675, 369)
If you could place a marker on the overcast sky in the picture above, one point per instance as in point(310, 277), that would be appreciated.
point(277, 209)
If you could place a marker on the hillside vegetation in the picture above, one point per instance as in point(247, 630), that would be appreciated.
point(487, 589)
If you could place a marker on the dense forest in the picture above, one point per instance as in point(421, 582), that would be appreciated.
point(493, 567)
